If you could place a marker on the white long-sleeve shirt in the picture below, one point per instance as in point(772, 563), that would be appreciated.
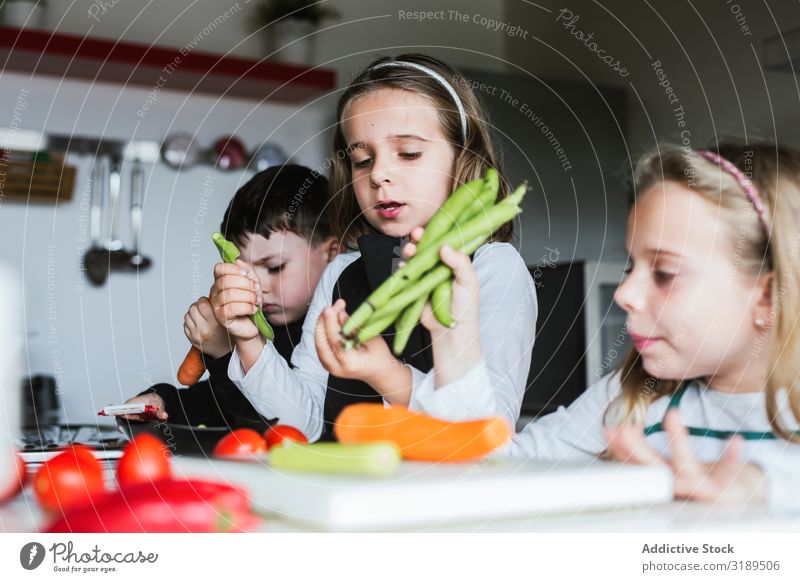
point(576, 433)
point(494, 386)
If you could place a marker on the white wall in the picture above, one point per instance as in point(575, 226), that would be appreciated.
point(107, 343)
point(104, 344)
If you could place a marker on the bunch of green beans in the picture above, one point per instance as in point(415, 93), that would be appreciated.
point(466, 220)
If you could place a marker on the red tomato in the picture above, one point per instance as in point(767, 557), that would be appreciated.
point(240, 442)
point(275, 435)
point(145, 460)
point(70, 477)
point(16, 483)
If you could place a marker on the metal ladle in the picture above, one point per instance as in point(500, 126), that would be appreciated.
point(95, 261)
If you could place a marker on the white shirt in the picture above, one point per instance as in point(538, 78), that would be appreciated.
point(494, 386)
point(576, 433)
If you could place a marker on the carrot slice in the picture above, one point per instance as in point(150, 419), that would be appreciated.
point(419, 436)
point(192, 368)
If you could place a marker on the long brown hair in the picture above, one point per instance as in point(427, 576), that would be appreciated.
point(471, 159)
point(775, 172)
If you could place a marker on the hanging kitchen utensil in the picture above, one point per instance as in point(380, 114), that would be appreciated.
point(268, 155)
point(180, 152)
point(118, 257)
point(230, 152)
point(95, 260)
point(137, 261)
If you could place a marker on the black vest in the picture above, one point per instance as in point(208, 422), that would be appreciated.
point(379, 254)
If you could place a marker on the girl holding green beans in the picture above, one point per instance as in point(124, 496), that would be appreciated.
point(410, 131)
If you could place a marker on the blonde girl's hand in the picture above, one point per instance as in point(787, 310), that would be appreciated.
point(728, 480)
point(465, 294)
point(371, 362)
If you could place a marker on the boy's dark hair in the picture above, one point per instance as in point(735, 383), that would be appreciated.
point(287, 197)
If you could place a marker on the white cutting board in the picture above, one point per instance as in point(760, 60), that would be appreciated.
point(422, 494)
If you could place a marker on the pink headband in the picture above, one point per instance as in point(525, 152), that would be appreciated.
point(749, 189)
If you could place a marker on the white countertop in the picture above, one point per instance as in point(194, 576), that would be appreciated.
point(23, 514)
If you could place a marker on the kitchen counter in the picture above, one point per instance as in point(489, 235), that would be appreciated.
point(23, 514)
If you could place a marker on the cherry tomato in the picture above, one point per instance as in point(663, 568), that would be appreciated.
point(145, 460)
point(17, 482)
point(275, 435)
point(240, 442)
point(71, 477)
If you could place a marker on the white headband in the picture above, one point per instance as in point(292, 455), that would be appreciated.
point(442, 81)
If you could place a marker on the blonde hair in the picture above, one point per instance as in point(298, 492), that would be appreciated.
point(471, 159)
point(775, 172)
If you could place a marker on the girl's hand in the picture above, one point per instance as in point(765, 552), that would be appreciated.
point(204, 331)
point(466, 289)
point(371, 362)
point(457, 349)
point(234, 297)
point(727, 480)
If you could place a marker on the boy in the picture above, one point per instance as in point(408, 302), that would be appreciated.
point(278, 220)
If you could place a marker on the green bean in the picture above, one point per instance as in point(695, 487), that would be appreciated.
point(441, 298)
point(377, 459)
point(375, 328)
point(229, 253)
point(492, 183)
point(359, 317)
point(227, 250)
point(406, 323)
point(461, 199)
point(485, 200)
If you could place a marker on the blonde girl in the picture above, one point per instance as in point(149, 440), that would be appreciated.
point(712, 297)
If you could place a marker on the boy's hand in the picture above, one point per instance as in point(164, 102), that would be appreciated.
point(727, 480)
point(371, 362)
point(235, 296)
point(204, 331)
point(152, 399)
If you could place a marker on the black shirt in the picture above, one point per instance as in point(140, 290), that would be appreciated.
point(379, 255)
point(217, 401)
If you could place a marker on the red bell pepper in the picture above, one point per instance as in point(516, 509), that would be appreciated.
point(165, 506)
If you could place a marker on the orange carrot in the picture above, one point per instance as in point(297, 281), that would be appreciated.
point(421, 437)
point(192, 368)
